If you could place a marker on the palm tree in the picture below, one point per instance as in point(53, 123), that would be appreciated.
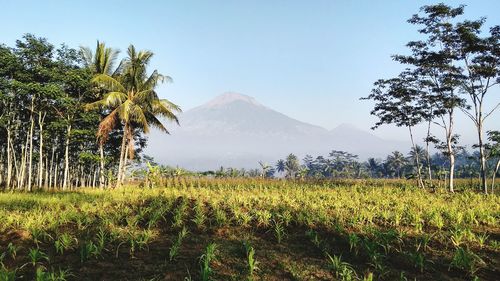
point(292, 165)
point(417, 152)
point(133, 102)
point(280, 166)
point(396, 161)
point(265, 168)
point(374, 167)
point(100, 61)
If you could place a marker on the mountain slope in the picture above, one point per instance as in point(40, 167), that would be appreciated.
point(235, 130)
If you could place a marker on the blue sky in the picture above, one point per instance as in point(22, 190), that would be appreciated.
point(311, 60)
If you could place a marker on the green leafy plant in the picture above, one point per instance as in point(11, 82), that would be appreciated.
point(12, 250)
point(251, 261)
point(174, 250)
point(343, 270)
point(88, 250)
point(206, 260)
point(60, 275)
point(467, 260)
point(36, 256)
point(64, 242)
point(279, 230)
point(7, 275)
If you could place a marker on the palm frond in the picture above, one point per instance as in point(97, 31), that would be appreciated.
point(107, 125)
point(108, 82)
point(156, 123)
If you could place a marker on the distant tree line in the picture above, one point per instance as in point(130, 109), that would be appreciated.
point(341, 164)
point(74, 117)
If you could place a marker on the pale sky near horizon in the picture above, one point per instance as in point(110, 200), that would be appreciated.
point(311, 60)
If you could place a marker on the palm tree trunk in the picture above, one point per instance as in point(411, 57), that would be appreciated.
point(122, 153)
point(124, 167)
point(101, 170)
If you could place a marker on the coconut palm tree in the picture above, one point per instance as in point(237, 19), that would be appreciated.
point(396, 161)
point(133, 102)
point(292, 166)
point(100, 61)
point(280, 166)
point(265, 168)
point(417, 152)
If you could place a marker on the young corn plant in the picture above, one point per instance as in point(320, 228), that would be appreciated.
point(467, 260)
point(12, 250)
point(6, 274)
point(59, 275)
point(251, 261)
point(279, 231)
point(174, 250)
point(354, 242)
point(36, 256)
point(314, 238)
point(199, 215)
point(88, 250)
point(418, 260)
point(481, 239)
point(64, 242)
point(343, 270)
point(206, 260)
point(220, 217)
point(179, 213)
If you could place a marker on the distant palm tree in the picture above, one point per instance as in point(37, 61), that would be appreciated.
point(265, 168)
point(396, 161)
point(292, 166)
point(280, 166)
point(374, 166)
point(418, 152)
point(133, 102)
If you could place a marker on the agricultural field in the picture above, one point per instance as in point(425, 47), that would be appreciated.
point(251, 229)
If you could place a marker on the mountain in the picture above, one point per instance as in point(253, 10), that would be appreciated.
point(234, 130)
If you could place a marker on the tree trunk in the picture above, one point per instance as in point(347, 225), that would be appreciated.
point(429, 169)
point(46, 180)
point(417, 159)
point(451, 153)
point(9, 158)
point(122, 153)
point(56, 171)
point(482, 156)
point(66, 159)
point(51, 173)
point(494, 175)
point(124, 167)
point(101, 170)
point(40, 151)
point(30, 165)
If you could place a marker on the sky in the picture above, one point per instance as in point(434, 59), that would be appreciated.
point(311, 60)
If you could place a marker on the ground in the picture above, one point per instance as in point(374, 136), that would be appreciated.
point(298, 230)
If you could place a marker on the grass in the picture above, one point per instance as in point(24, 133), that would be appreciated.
point(348, 230)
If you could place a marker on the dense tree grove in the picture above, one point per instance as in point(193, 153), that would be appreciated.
point(453, 67)
point(63, 120)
